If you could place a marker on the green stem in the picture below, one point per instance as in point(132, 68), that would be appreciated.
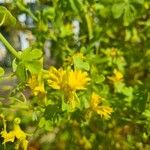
point(22, 7)
point(9, 47)
point(31, 15)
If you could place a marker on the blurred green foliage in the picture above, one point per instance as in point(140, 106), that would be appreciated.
point(112, 46)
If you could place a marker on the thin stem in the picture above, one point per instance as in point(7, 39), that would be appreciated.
point(22, 7)
point(24, 98)
point(32, 15)
point(9, 47)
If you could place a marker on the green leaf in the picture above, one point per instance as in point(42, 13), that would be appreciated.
point(48, 125)
point(99, 79)
point(64, 106)
point(1, 71)
point(117, 10)
point(34, 116)
point(84, 103)
point(140, 98)
point(129, 14)
point(66, 30)
point(98, 6)
point(30, 59)
point(52, 112)
point(135, 38)
point(127, 35)
point(42, 122)
point(79, 64)
point(25, 54)
point(146, 114)
point(119, 87)
point(21, 72)
point(49, 13)
point(29, 54)
point(128, 92)
point(35, 54)
point(34, 66)
point(73, 6)
point(6, 18)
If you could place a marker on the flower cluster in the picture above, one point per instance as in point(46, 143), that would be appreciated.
point(71, 81)
point(96, 106)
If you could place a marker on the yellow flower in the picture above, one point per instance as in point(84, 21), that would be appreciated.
point(67, 80)
point(8, 136)
point(32, 82)
point(118, 76)
point(39, 89)
point(16, 133)
point(56, 78)
point(95, 100)
point(21, 136)
point(77, 80)
point(103, 111)
point(19, 133)
point(79, 55)
point(36, 85)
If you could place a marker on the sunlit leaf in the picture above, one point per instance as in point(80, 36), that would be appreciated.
point(6, 18)
point(34, 66)
point(117, 10)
